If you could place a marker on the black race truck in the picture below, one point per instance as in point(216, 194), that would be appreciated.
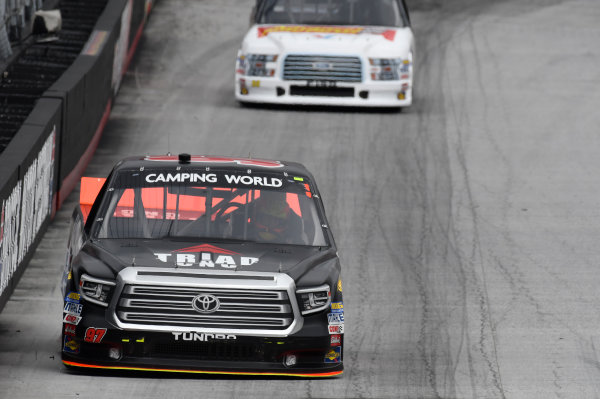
point(203, 264)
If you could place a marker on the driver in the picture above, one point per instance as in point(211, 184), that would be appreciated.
point(274, 220)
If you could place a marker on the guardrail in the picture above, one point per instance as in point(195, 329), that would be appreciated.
point(44, 160)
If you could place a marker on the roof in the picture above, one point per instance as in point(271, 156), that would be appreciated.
point(218, 162)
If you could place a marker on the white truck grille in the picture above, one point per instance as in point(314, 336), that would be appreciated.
point(320, 67)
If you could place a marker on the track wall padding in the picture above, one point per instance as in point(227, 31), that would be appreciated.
point(45, 159)
point(27, 195)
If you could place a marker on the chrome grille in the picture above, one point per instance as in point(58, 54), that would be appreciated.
point(320, 67)
point(172, 306)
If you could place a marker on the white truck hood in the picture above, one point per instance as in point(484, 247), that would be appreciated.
point(377, 42)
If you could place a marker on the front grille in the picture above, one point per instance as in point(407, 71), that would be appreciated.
point(152, 305)
point(208, 350)
point(319, 67)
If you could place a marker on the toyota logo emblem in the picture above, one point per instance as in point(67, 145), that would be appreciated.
point(206, 303)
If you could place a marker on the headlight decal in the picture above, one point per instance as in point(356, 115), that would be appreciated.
point(312, 300)
point(389, 68)
point(95, 290)
point(258, 64)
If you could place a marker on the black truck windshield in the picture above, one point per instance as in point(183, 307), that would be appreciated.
point(331, 12)
point(219, 205)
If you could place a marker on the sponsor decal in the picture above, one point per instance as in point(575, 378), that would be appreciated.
point(94, 335)
point(70, 345)
point(265, 31)
point(339, 285)
point(183, 177)
point(37, 195)
point(337, 307)
point(11, 207)
point(72, 319)
point(70, 329)
point(336, 340)
point(72, 297)
point(330, 31)
point(330, 36)
point(73, 308)
point(336, 329)
point(25, 210)
point(334, 355)
point(202, 337)
point(200, 158)
point(254, 180)
point(335, 318)
point(208, 256)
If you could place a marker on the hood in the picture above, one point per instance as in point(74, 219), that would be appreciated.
point(347, 40)
point(290, 259)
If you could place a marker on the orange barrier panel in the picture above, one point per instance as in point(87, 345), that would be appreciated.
point(90, 187)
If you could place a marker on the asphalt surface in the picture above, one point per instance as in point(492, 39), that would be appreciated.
point(468, 225)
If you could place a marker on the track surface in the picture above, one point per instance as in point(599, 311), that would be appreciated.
point(468, 225)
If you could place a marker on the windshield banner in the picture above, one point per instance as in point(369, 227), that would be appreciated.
point(388, 34)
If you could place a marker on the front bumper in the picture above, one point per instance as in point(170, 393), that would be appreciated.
point(273, 90)
point(197, 353)
point(95, 337)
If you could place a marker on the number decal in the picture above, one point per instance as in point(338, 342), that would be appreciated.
point(94, 335)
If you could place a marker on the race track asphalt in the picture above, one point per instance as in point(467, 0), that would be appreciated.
point(468, 225)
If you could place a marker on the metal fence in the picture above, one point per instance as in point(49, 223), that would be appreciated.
point(15, 18)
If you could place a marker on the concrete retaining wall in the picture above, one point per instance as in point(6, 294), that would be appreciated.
point(45, 159)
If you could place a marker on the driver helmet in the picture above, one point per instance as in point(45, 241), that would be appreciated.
point(271, 215)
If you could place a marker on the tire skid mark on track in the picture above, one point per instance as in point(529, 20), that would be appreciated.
point(589, 354)
point(445, 226)
point(475, 260)
point(369, 185)
point(431, 161)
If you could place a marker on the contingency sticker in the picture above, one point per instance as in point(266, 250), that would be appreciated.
point(70, 345)
point(73, 308)
point(70, 329)
point(335, 318)
point(337, 307)
point(72, 319)
point(72, 297)
point(336, 340)
point(336, 329)
point(333, 355)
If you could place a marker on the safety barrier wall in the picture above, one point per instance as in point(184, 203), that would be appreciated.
point(45, 159)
